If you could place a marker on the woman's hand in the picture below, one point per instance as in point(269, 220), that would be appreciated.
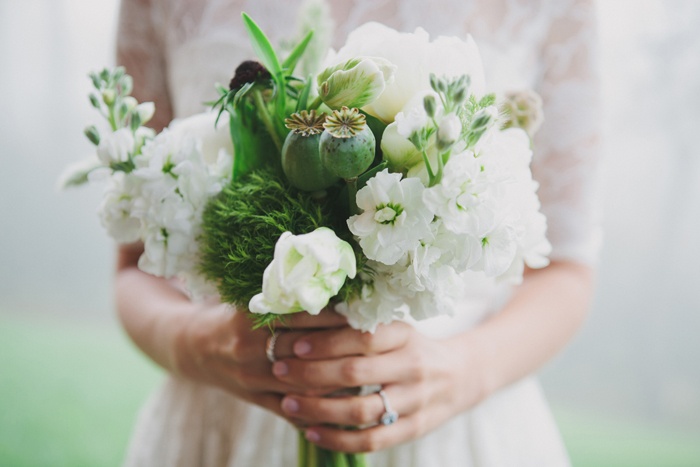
point(217, 345)
point(427, 382)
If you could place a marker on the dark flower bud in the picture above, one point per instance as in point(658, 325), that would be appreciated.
point(249, 71)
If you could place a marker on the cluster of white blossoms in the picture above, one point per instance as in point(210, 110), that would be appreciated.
point(157, 186)
point(482, 216)
point(175, 181)
point(160, 197)
point(460, 195)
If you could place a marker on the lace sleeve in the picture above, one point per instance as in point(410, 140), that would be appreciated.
point(140, 49)
point(567, 146)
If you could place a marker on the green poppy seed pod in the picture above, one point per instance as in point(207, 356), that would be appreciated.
point(301, 159)
point(347, 144)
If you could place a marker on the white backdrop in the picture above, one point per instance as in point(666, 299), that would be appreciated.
point(637, 355)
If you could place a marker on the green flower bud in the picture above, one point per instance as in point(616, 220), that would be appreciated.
point(95, 101)
point(92, 134)
point(355, 83)
point(347, 144)
point(460, 92)
point(126, 85)
point(108, 96)
point(429, 104)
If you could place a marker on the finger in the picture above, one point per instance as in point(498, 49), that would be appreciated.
point(270, 401)
point(327, 318)
point(386, 368)
point(284, 343)
point(250, 379)
point(350, 411)
point(367, 440)
point(346, 341)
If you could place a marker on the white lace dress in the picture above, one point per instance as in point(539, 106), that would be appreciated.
point(177, 49)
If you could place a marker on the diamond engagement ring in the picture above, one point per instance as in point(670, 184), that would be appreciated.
point(270, 346)
point(389, 416)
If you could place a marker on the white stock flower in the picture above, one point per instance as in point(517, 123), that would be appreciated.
point(306, 272)
point(214, 140)
point(498, 251)
point(379, 303)
point(394, 218)
point(116, 146)
point(415, 57)
point(461, 199)
point(116, 211)
point(411, 122)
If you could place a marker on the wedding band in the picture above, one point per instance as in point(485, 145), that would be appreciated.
point(270, 346)
point(389, 416)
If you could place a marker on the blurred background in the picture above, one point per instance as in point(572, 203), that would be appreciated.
point(626, 392)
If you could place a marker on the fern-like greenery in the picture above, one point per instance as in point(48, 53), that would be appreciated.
point(242, 224)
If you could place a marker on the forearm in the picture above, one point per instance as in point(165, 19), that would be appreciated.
point(151, 309)
point(540, 318)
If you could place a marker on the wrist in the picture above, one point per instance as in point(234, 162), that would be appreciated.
point(189, 338)
point(472, 382)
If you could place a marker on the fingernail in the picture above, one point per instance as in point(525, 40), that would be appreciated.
point(279, 368)
point(290, 405)
point(302, 348)
point(312, 436)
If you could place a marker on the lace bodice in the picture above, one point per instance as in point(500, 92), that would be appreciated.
point(177, 49)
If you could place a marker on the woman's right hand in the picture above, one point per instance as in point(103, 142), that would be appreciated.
point(208, 342)
point(216, 345)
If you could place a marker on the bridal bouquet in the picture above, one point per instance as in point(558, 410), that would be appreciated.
point(374, 184)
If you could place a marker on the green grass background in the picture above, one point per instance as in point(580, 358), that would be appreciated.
point(69, 394)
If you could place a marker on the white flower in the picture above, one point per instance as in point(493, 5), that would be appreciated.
point(394, 217)
point(307, 270)
point(356, 82)
point(116, 210)
point(401, 154)
point(379, 304)
point(145, 111)
point(411, 122)
point(461, 199)
point(523, 109)
point(116, 146)
point(77, 173)
point(214, 140)
point(498, 250)
point(415, 57)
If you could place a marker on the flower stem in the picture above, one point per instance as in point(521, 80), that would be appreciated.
point(352, 195)
point(431, 175)
point(303, 448)
point(266, 118)
point(316, 103)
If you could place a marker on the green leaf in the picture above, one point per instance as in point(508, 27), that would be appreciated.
point(262, 47)
point(304, 95)
point(241, 93)
point(291, 61)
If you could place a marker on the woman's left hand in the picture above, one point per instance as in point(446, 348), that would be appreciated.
point(426, 381)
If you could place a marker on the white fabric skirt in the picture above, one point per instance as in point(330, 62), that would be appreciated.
point(185, 424)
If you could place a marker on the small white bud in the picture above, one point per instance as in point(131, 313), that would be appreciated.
point(449, 131)
point(146, 111)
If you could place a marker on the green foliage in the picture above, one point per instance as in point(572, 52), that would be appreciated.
point(241, 226)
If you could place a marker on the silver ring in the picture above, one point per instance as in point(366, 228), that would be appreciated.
point(270, 346)
point(389, 416)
